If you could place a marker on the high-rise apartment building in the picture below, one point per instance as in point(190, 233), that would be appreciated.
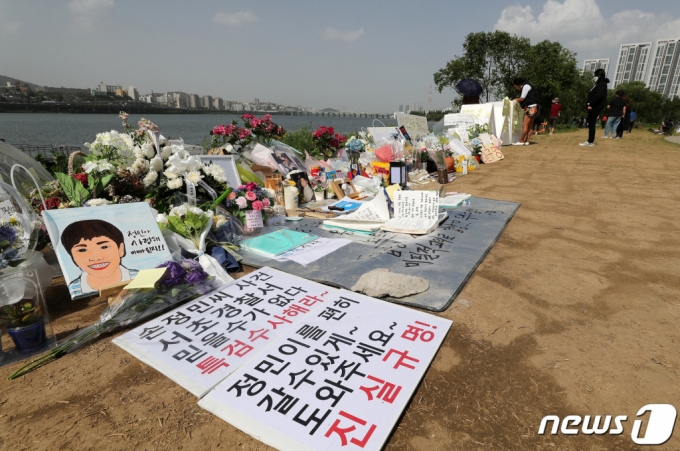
point(206, 102)
point(664, 77)
point(133, 93)
point(218, 104)
point(193, 101)
point(632, 62)
point(590, 66)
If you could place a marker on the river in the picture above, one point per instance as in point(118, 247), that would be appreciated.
point(76, 129)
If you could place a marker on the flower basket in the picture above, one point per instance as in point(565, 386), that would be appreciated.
point(71, 159)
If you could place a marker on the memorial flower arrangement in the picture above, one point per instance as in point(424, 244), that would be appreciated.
point(355, 146)
point(249, 197)
point(138, 165)
point(187, 221)
point(327, 143)
point(11, 243)
point(183, 280)
point(261, 130)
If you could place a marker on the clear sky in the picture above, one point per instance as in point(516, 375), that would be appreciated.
point(368, 55)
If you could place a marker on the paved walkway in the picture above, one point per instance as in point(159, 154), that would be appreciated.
point(674, 139)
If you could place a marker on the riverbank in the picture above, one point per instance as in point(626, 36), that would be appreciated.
point(574, 311)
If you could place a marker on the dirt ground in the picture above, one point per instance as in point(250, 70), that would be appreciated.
point(574, 311)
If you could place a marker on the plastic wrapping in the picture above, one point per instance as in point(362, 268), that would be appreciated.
point(133, 306)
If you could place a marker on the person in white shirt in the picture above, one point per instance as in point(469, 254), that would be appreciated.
point(528, 100)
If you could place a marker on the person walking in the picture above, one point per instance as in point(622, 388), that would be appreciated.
point(625, 120)
point(617, 109)
point(528, 100)
point(554, 113)
point(631, 122)
point(597, 99)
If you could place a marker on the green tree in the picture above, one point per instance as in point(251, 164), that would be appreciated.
point(493, 59)
point(645, 102)
point(551, 68)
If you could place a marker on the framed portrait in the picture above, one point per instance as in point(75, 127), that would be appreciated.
point(286, 158)
point(305, 190)
point(349, 191)
point(101, 246)
point(227, 163)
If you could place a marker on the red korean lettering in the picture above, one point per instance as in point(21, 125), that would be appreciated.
point(388, 392)
point(412, 333)
point(403, 355)
point(342, 432)
point(211, 364)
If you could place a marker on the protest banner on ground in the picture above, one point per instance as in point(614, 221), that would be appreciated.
point(343, 375)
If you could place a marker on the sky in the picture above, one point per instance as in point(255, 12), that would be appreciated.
point(360, 55)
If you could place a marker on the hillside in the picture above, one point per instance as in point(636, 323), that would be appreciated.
point(4, 79)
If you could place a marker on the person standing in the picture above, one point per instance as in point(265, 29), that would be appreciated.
point(633, 116)
point(528, 100)
point(597, 99)
point(554, 113)
point(625, 120)
point(617, 109)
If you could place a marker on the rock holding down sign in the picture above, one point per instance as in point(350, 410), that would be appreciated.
point(340, 377)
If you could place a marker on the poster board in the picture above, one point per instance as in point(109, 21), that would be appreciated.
point(96, 244)
point(416, 126)
point(202, 342)
point(342, 376)
point(227, 163)
point(286, 158)
point(483, 114)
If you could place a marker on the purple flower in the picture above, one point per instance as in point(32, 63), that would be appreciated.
point(196, 276)
point(7, 232)
point(189, 264)
point(173, 274)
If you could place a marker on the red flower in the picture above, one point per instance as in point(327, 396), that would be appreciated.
point(51, 203)
point(81, 177)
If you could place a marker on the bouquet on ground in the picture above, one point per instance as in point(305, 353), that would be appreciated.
point(185, 229)
point(233, 137)
point(183, 280)
point(327, 143)
point(249, 197)
point(137, 165)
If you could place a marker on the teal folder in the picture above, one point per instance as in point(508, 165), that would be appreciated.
point(276, 243)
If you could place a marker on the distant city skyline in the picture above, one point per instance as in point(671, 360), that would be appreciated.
point(350, 54)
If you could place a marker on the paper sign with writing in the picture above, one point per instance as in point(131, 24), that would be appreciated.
point(340, 379)
point(491, 153)
point(416, 126)
point(202, 342)
point(7, 209)
point(483, 113)
point(254, 219)
point(416, 205)
point(459, 120)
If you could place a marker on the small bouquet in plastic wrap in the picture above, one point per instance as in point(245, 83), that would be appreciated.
point(186, 228)
point(183, 280)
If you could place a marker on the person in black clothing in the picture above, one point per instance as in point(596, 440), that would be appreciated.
point(617, 109)
point(625, 120)
point(528, 100)
point(597, 100)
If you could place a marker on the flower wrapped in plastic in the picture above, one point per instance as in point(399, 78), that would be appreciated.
point(183, 281)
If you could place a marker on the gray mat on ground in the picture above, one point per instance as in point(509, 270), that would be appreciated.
point(446, 258)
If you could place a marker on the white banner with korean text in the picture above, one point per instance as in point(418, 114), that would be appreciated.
point(341, 376)
point(200, 343)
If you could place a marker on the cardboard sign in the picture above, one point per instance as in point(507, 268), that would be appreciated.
point(101, 246)
point(254, 219)
point(491, 153)
point(339, 379)
point(202, 342)
point(416, 126)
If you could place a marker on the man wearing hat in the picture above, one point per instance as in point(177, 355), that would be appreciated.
point(554, 113)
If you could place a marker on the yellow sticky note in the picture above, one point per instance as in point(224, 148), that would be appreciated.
point(146, 278)
point(391, 190)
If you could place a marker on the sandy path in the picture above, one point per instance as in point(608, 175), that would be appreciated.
point(574, 311)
